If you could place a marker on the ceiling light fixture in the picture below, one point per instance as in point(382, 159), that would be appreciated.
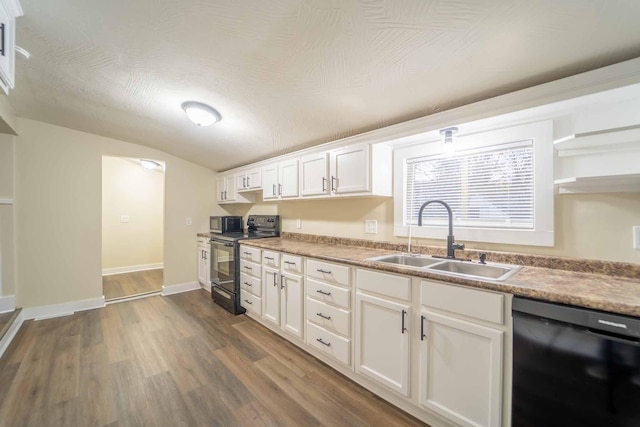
point(201, 114)
point(149, 164)
point(447, 138)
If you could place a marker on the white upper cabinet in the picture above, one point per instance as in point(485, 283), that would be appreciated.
point(9, 10)
point(226, 190)
point(350, 170)
point(280, 180)
point(314, 174)
point(249, 180)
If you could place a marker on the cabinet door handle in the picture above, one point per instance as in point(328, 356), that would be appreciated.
point(320, 291)
point(244, 182)
point(323, 316)
point(275, 279)
point(2, 27)
point(248, 181)
point(333, 183)
point(323, 181)
point(225, 194)
point(403, 328)
point(248, 302)
point(328, 344)
point(248, 284)
point(274, 189)
point(279, 189)
point(422, 334)
point(282, 281)
point(323, 271)
point(205, 255)
point(222, 195)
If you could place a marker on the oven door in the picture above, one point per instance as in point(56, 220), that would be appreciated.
point(223, 264)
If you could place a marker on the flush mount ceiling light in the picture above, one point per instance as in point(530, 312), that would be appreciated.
point(201, 114)
point(149, 164)
point(447, 138)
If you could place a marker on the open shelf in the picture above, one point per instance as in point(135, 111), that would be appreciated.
point(599, 184)
point(614, 139)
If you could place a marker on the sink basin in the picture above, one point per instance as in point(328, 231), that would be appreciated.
point(448, 267)
point(407, 260)
point(497, 272)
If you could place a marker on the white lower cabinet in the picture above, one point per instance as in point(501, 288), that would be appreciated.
point(461, 370)
point(250, 279)
point(292, 304)
point(382, 341)
point(283, 293)
point(204, 262)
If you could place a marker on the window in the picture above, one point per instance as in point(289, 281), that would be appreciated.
point(499, 185)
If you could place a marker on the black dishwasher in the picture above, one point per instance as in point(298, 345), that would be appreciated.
point(574, 366)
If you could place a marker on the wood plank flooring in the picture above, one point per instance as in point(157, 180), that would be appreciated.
point(174, 361)
point(124, 285)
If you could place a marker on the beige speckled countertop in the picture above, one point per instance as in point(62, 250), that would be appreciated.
point(597, 291)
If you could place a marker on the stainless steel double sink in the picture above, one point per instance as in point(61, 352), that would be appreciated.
point(451, 267)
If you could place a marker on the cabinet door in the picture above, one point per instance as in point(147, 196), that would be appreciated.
point(202, 265)
point(292, 303)
point(241, 181)
point(288, 179)
point(220, 187)
point(254, 178)
point(314, 174)
point(271, 295)
point(270, 182)
point(207, 267)
point(230, 187)
point(461, 370)
point(382, 341)
point(350, 170)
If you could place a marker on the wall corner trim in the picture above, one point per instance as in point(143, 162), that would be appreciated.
point(64, 309)
point(181, 287)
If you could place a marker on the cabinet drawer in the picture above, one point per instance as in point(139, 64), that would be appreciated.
point(251, 302)
point(475, 303)
point(329, 272)
point(271, 259)
point(203, 242)
point(250, 268)
point(251, 284)
point(250, 254)
point(329, 293)
point(389, 285)
point(292, 263)
point(329, 317)
point(329, 343)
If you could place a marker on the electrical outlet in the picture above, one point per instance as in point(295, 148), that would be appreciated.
point(188, 221)
point(371, 226)
point(298, 223)
point(124, 218)
point(636, 236)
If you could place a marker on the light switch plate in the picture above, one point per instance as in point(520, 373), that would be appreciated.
point(636, 236)
point(371, 226)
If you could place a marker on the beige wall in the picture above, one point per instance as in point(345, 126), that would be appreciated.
point(58, 212)
point(590, 226)
point(7, 249)
point(131, 190)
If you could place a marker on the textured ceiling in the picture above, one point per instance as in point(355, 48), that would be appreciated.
point(287, 74)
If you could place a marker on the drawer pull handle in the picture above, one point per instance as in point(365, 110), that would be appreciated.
point(323, 316)
point(247, 253)
point(247, 267)
point(320, 291)
point(290, 262)
point(248, 284)
point(323, 271)
point(268, 257)
point(248, 302)
point(328, 344)
point(403, 328)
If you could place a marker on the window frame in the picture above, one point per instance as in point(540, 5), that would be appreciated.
point(542, 233)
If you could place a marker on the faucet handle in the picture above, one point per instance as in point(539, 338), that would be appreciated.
point(483, 258)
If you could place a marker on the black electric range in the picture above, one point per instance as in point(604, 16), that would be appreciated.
point(225, 259)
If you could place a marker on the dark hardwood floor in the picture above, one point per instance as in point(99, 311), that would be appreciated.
point(174, 361)
point(125, 285)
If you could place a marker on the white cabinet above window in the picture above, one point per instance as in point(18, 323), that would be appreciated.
point(9, 10)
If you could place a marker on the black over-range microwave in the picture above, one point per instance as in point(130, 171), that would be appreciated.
point(225, 224)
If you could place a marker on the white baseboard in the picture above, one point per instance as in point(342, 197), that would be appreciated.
point(131, 269)
point(11, 332)
point(7, 303)
point(145, 295)
point(182, 287)
point(206, 287)
point(64, 309)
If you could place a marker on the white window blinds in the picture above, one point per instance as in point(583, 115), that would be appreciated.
point(491, 187)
